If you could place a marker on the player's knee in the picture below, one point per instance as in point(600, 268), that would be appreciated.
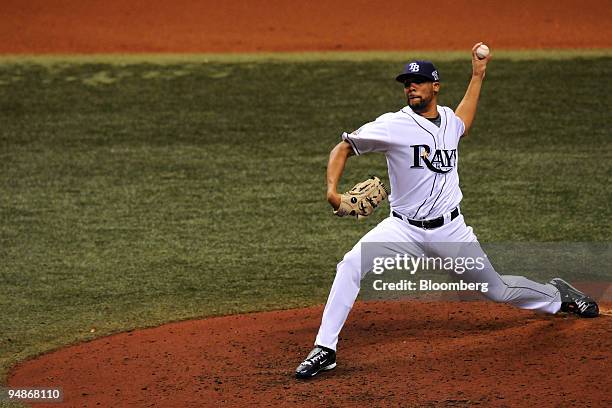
point(496, 294)
point(351, 260)
point(350, 267)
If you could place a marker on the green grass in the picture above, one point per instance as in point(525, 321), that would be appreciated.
point(316, 56)
point(136, 193)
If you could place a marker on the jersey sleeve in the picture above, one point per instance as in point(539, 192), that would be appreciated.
point(457, 124)
point(371, 137)
point(460, 126)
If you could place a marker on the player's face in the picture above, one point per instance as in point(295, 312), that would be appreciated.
point(420, 93)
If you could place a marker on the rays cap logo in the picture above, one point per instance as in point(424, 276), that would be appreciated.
point(421, 69)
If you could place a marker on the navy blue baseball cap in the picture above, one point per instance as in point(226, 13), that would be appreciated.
point(419, 68)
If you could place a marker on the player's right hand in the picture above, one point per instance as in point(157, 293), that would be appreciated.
point(479, 66)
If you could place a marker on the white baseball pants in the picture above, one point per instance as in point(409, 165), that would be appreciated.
point(395, 235)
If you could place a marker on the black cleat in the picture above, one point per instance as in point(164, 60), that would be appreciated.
point(319, 359)
point(574, 301)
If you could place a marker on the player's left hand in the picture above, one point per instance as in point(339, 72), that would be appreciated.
point(362, 199)
point(479, 66)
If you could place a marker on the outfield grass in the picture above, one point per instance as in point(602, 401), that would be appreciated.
point(137, 193)
point(293, 57)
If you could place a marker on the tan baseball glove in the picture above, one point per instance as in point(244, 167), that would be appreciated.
point(361, 200)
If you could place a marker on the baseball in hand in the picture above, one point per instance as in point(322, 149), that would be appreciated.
point(482, 51)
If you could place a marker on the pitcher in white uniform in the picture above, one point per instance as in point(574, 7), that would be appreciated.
point(420, 143)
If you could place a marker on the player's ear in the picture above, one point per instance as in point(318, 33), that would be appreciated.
point(436, 88)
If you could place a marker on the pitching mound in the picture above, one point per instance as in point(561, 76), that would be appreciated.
point(391, 354)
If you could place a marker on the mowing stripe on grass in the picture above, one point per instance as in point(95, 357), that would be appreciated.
point(168, 59)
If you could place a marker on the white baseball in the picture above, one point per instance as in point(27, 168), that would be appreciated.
point(482, 51)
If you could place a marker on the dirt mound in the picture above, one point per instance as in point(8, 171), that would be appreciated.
point(75, 26)
point(391, 354)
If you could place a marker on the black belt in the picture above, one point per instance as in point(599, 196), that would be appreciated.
point(428, 224)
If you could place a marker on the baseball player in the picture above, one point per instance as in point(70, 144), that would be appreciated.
point(420, 143)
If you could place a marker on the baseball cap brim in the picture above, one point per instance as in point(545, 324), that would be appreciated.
point(403, 77)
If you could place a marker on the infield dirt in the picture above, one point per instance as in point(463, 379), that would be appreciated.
point(392, 353)
point(74, 27)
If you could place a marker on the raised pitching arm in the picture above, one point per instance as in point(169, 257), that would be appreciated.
point(469, 104)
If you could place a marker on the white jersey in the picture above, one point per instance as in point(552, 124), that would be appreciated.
point(422, 159)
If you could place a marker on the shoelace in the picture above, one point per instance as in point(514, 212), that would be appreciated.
point(316, 358)
point(582, 305)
